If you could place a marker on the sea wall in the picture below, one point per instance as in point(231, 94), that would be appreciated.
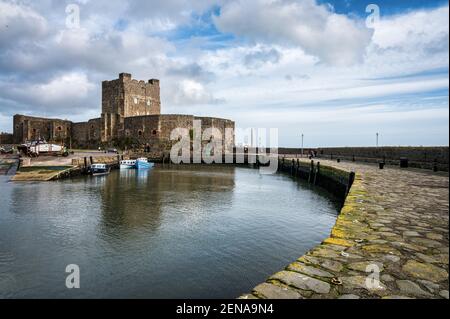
point(84, 162)
point(418, 157)
point(388, 228)
point(336, 181)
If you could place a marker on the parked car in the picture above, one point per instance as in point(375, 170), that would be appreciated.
point(112, 150)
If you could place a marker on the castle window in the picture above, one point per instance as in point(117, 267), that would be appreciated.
point(59, 128)
point(154, 132)
point(135, 100)
point(149, 103)
point(140, 133)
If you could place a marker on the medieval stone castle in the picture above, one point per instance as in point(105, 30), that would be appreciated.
point(131, 114)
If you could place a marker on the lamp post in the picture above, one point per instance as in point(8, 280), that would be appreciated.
point(303, 136)
point(378, 136)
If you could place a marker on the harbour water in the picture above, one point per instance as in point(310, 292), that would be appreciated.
point(178, 232)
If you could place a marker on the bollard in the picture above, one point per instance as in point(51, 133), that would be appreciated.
point(311, 171)
point(404, 162)
point(353, 158)
point(338, 160)
point(317, 173)
point(381, 165)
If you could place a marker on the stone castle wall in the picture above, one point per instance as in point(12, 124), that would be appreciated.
point(131, 115)
point(129, 97)
point(86, 134)
point(32, 128)
point(126, 97)
point(222, 125)
point(6, 138)
point(156, 130)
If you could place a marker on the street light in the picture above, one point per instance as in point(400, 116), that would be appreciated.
point(302, 142)
point(378, 135)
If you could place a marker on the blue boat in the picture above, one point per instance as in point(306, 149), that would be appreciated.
point(143, 163)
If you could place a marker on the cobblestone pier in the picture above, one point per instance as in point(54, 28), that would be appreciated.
point(393, 226)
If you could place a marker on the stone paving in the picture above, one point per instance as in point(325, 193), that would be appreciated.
point(393, 227)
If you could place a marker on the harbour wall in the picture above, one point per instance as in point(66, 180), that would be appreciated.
point(418, 157)
point(336, 181)
point(398, 231)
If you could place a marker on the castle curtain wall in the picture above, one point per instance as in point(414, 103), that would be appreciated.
point(130, 115)
point(33, 128)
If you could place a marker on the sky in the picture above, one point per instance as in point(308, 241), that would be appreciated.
point(337, 72)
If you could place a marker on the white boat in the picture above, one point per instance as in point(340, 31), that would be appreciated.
point(99, 169)
point(143, 163)
point(41, 147)
point(128, 164)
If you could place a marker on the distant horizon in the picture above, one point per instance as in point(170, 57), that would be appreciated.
point(291, 147)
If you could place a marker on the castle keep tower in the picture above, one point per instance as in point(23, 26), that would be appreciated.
point(125, 97)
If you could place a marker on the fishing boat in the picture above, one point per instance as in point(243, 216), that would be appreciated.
point(99, 169)
point(128, 164)
point(143, 163)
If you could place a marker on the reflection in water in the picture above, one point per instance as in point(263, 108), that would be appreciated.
point(172, 232)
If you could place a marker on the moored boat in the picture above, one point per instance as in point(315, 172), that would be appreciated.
point(99, 169)
point(128, 164)
point(143, 163)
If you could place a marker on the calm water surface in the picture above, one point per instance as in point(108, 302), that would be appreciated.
point(168, 233)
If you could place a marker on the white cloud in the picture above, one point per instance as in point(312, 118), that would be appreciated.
point(18, 23)
point(63, 90)
point(423, 30)
point(410, 43)
point(335, 39)
point(192, 92)
point(65, 94)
